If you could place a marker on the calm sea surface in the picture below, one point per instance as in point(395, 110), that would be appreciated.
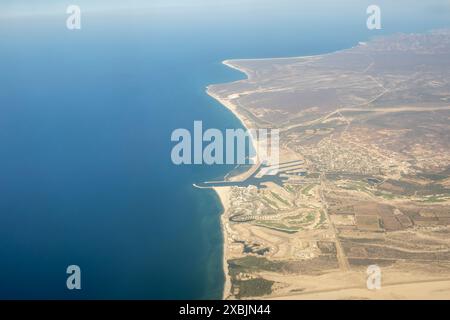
point(85, 122)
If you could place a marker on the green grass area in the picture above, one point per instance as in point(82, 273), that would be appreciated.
point(301, 219)
point(296, 217)
point(276, 226)
point(307, 189)
point(434, 199)
point(309, 218)
point(280, 199)
point(271, 202)
point(384, 195)
point(289, 188)
point(363, 187)
point(323, 217)
point(358, 186)
point(322, 220)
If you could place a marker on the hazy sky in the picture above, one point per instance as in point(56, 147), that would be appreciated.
point(266, 14)
point(27, 7)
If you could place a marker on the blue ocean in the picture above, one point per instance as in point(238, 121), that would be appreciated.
point(86, 117)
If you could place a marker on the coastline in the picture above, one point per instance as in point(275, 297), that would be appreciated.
point(229, 64)
point(246, 123)
point(339, 280)
point(223, 193)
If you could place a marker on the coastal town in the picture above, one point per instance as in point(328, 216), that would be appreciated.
point(363, 179)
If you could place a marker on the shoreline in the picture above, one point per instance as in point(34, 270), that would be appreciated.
point(223, 193)
point(335, 282)
point(229, 64)
point(232, 107)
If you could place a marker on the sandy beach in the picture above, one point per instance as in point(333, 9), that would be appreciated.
point(229, 63)
point(232, 107)
point(224, 192)
point(224, 196)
